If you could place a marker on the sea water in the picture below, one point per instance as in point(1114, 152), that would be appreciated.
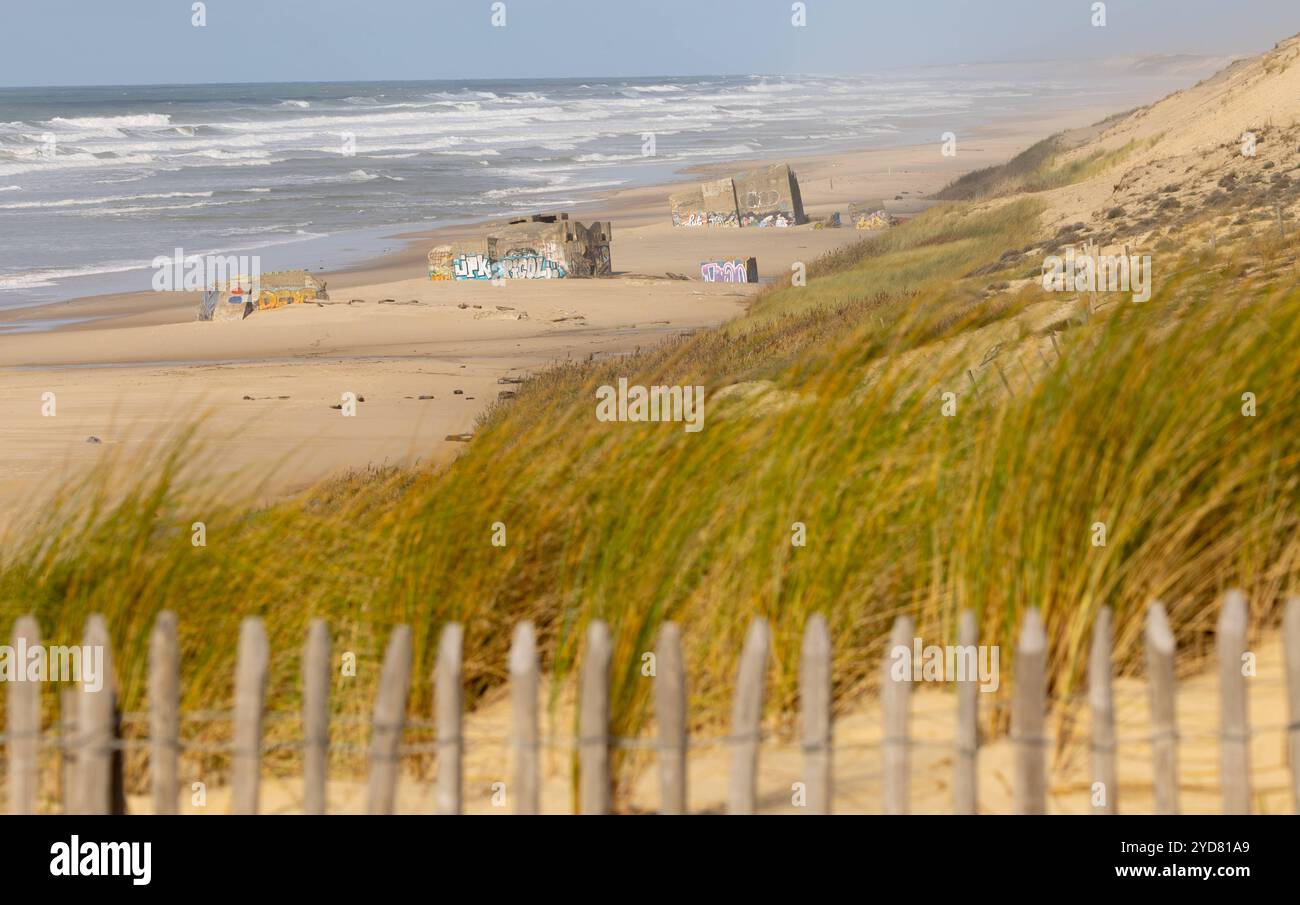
point(97, 182)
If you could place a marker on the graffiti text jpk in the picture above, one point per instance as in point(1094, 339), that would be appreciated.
point(657, 403)
point(947, 663)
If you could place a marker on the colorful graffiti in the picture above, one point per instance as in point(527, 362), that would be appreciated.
point(778, 219)
point(527, 266)
point(705, 218)
point(471, 267)
point(523, 266)
point(734, 271)
point(872, 219)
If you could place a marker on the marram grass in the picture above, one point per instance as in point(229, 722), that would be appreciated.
point(830, 415)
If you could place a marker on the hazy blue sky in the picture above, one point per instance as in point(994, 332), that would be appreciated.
point(80, 42)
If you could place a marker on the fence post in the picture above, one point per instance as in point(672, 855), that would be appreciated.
point(524, 684)
point(747, 720)
point(1234, 725)
point(250, 693)
point(815, 714)
point(24, 724)
point(670, 713)
point(97, 722)
point(449, 699)
point(895, 700)
point(1101, 704)
point(316, 673)
point(1164, 721)
point(164, 712)
point(1291, 643)
point(69, 699)
point(593, 723)
point(1028, 716)
point(388, 720)
point(965, 765)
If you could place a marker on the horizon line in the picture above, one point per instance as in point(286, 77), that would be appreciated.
point(568, 78)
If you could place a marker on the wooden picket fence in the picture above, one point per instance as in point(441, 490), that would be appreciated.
point(91, 744)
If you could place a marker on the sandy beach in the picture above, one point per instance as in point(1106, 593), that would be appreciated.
point(132, 371)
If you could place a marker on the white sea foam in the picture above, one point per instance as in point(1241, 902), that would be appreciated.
point(422, 151)
point(141, 121)
point(109, 199)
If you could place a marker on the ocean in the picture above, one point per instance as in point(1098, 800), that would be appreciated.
point(97, 182)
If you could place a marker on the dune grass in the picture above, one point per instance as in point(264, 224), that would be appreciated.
point(929, 257)
point(824, 412)
point(1043, 166)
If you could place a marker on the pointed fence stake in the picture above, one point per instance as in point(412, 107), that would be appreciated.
point(23, 726)
point(593, 723)
point(895, 697)
point(670, 714)
point(164, 713)
point(965, 784)
point(1101, 703)
point(449, 698)
point(1028, 717)
point(97, 722)
point(388, 721)
point(1234, 745)
point(1164, 720)
point(316, 674)
point(747, 720)
point(524, 685)
point(250, 694)
point(815, 713)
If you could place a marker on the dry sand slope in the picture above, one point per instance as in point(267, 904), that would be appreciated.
point(1182, 147)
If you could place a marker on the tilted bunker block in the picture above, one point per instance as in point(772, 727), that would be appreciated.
point(544, 246)
point(587, 252)
point(768, 196)
point(707, 204)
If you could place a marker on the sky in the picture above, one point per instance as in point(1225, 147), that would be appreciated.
point(131, 42)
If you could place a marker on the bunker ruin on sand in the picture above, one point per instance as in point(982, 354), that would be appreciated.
point(764, 197)
point(541, 247)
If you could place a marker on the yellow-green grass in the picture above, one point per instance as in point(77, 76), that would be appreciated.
point(1043, 166)
point(929, 257)
point(840, 427)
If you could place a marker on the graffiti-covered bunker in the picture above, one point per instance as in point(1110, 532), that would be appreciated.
point(541, 247)
point(764, 197)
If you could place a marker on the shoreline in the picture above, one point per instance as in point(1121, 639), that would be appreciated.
point(628, 206)
point(134, 374)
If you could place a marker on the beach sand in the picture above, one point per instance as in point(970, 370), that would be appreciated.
point(136, 370)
